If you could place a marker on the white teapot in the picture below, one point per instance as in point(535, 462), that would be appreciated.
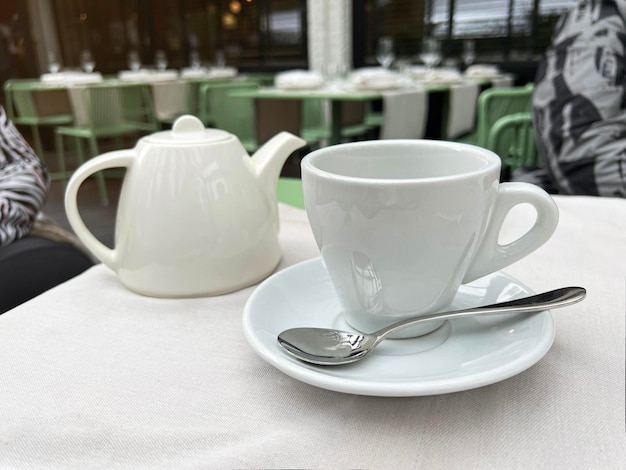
point(196, 215)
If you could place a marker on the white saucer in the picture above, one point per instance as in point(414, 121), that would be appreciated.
point(463, 354)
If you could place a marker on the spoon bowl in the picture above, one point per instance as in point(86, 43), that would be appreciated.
point(326, 346)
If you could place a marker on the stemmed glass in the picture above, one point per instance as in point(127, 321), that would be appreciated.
point(431, 52)
point(160, 60)
point(220, 60)
point(469, 52)
point(87, 62)
point(134, 62)
point(194, 60)
point(53, 63)
point(385, 53)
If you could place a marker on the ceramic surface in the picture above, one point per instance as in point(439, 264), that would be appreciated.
point(196, 215)
point(462, 354)
point(402, 223)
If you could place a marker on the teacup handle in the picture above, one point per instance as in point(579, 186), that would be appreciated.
point(491, 256)
point(115, 159)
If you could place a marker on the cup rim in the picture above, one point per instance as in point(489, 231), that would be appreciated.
point(493, 161)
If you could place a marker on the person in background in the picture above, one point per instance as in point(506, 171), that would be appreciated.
point(579, 101)
point(24, 183)
point(35, 253)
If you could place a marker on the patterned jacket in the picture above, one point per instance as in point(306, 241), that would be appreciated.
point(24, 183)
point(579, 103)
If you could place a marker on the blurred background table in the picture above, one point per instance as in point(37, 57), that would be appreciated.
point(337, 98)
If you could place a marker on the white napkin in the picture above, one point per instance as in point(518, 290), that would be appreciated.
point(201, 72)
point(462, 109)
point(147, 75)
point(72, 78)
point(375, 78)
point(298, 80)
point(418, 72)
point(443, 76)
point(404, 114)
point(162, 75)
point(482, 71)
point(223, 72)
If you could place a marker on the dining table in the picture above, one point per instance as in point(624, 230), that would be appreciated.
point(336, 96)
point(93, 375)
point(340, 92)
point(172, 91)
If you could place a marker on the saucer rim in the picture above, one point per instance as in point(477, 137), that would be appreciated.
point(314, 375)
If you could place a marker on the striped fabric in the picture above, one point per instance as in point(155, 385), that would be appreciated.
point(579, 103)
point(24, 183)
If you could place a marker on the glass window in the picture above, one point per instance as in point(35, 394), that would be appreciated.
point(248, 34)
point(494, 18)
point(547, 7)
point(523, 27)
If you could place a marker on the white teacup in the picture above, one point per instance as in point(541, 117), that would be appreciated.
point(401, 224)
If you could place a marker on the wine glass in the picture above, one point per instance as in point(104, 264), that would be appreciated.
point(87, 62)
point(431, 52)
point(220, 60)
point(134, 62)
point(53, 63)
point(194, 60)
point(469, 52)
point(160, 60)
point(385, 53)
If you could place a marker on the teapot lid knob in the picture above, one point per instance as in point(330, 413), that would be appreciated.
point(187, 123)
point(188, 130)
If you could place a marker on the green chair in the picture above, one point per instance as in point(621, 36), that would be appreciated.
point(290, 192)
point(253, 121)
point(373, 117)
point(22, 109)
point(495, 103)
point(512, 137)
point(203, 107)
point(314, 122)
point(354, 120)
point(109, 110)
point(235, 114)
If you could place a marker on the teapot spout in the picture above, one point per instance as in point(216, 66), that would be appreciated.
point(270, 158)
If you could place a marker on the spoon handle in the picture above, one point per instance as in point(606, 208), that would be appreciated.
point(535, 303)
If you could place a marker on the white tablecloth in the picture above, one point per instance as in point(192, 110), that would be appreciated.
point(405, 112)
point(462, 109)
point(94, 376)
point(171, 99)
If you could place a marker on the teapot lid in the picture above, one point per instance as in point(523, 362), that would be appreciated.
point(188, 130)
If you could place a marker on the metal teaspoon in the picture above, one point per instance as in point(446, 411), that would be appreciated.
point(328, 347)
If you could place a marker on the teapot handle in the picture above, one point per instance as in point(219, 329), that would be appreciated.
point(115, 159)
